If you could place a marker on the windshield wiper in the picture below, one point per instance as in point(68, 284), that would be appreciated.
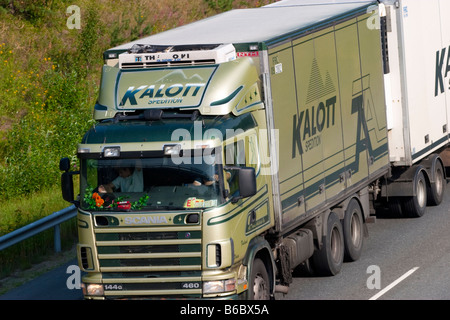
point(167, 207)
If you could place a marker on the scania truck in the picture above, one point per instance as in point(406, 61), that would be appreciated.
point(228, 152)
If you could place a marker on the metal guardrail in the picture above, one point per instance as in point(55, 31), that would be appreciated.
point(53, 220)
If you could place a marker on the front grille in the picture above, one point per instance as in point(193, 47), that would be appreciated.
point(150, 261)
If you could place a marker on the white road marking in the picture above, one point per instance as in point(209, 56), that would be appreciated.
point(393, 284)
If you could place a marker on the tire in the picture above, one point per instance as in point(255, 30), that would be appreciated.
point(305, 269)
point(259, 281)
point(415, 206)
point(353, 229)
point(394, 206)
point(329, 259)
point(437, 189)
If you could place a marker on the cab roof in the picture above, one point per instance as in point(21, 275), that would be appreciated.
point(269, 24)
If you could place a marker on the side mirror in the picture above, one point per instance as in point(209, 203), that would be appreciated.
point(67, 186)
point(67, 180)
point(247, 182)
point(64, 164)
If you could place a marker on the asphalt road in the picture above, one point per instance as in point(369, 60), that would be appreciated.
point(49, 286)
point(403, 259)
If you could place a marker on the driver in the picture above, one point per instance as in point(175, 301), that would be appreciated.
point(207, 182)
point(129, 180)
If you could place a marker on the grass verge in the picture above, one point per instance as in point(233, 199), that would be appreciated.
point(16, 213)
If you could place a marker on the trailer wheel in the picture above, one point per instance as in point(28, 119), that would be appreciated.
point(437, 189)
point(353, 228)
point(328, 260)
point(259, 281)
point(415, 206)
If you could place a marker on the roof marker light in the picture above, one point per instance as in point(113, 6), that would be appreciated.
point(111, 152)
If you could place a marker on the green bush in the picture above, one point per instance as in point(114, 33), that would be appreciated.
point(50, 130)
point(31, 10)
point(220, 5)
point(54, 111)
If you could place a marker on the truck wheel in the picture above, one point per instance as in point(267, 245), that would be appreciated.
point(259, 281)
point(394, 206)
point(415, 206)
point(437, 189)
point(328, 260)
point(353, 228)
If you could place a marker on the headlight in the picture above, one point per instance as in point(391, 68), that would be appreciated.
point(219, 286)
point(92, 289)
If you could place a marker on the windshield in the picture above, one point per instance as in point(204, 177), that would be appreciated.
point(188, 182)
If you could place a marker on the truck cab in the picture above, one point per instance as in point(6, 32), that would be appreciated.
point(171, 184)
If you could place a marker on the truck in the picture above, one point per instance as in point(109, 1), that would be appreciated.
point(231, 151)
